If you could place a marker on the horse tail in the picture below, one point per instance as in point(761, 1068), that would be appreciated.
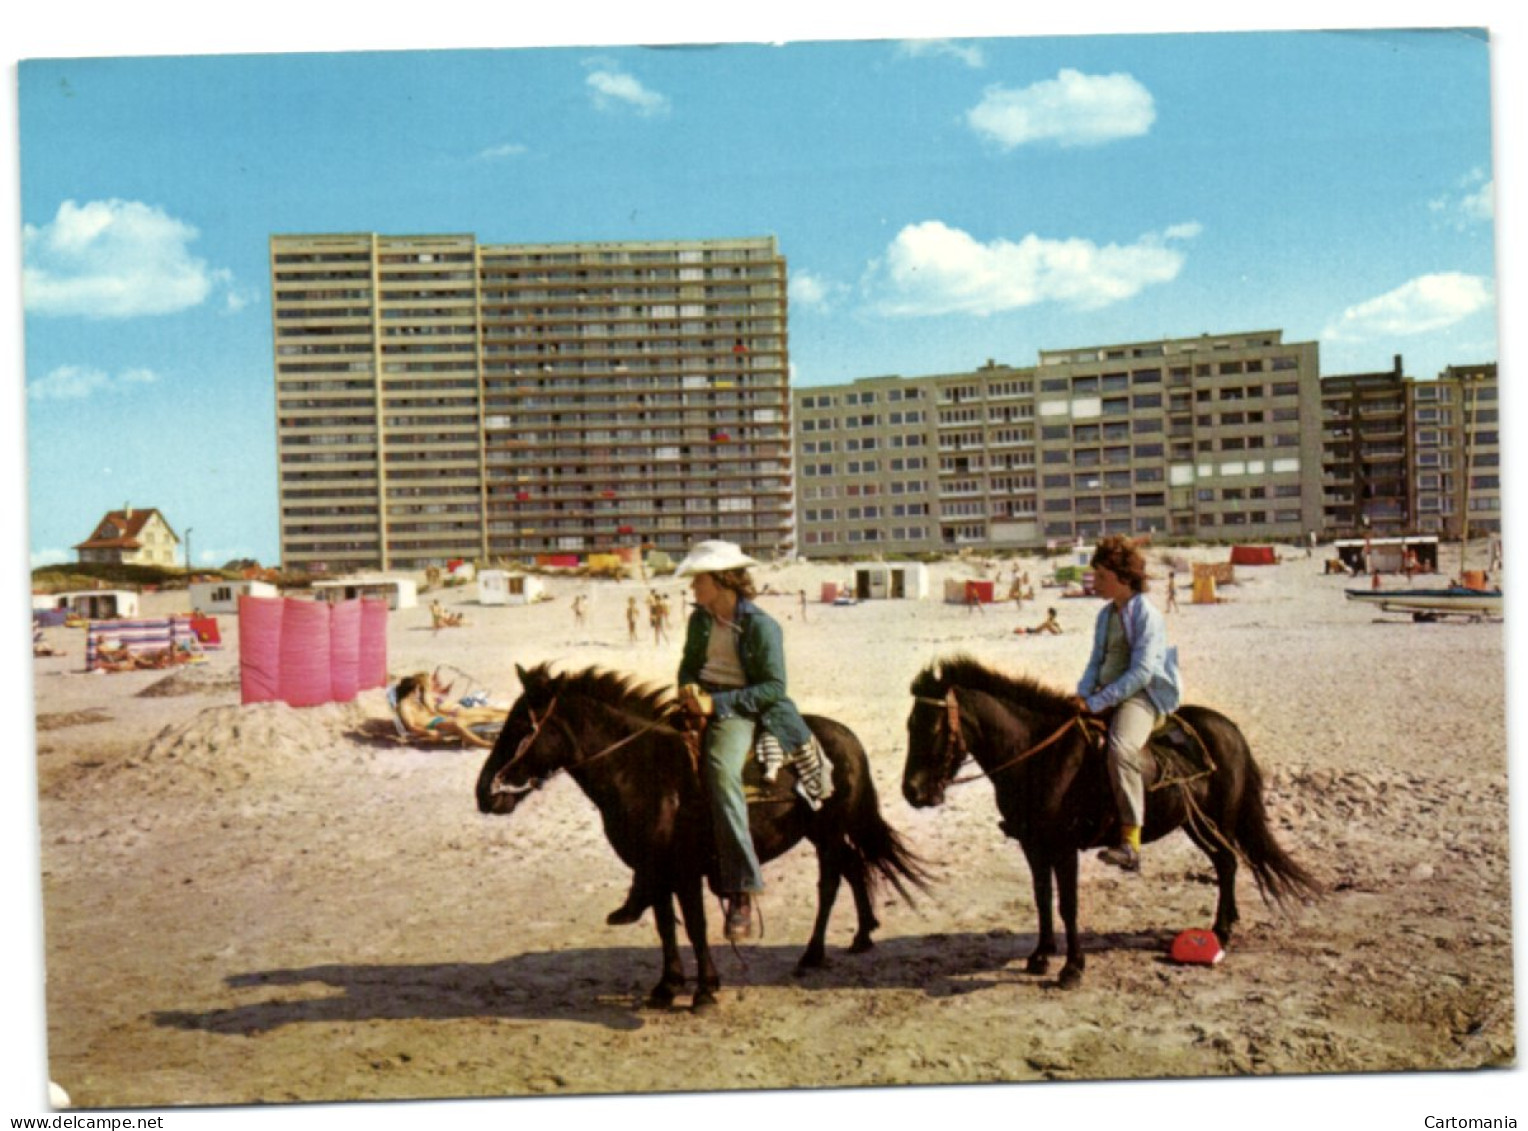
point(1279, 878)
point(880, 850)
point(883, 852)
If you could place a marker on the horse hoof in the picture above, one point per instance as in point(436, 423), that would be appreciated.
point(810, 962)
point(1037, 964)
point(703, 1002)
point(661, 998)
point(861, 944)
point(1070, 979)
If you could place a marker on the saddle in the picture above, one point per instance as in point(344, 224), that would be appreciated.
point(773, 775)
point(1174, 751)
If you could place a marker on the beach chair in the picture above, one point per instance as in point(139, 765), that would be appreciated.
point(411, 735)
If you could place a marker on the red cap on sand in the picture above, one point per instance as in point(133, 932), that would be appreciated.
point(1199, 948)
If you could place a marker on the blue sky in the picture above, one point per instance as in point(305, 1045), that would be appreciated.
point(939, 201)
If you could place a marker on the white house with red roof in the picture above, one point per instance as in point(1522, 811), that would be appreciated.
point(132, 536)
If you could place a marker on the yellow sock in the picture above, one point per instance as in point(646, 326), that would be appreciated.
point(1133, 836)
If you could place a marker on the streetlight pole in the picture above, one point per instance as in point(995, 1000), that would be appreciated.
point(188, 555)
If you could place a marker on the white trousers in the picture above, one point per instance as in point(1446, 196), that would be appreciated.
point(1129, 731)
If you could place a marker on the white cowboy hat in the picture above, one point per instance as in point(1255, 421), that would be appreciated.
point(713, 557)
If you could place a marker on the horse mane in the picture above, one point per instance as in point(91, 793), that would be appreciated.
point(611, 688)
point(963, 671)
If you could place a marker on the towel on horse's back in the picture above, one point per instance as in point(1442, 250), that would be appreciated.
point(814, 778)
point(808, 764)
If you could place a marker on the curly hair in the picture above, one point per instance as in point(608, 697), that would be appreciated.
point(1119, 556)
point(736, 580)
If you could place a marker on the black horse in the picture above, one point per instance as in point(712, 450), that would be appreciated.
point(1053, 789)
point(620, 744)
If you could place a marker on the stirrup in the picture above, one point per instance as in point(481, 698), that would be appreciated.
point(737, 923)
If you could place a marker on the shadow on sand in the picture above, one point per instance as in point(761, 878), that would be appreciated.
point(606, 986)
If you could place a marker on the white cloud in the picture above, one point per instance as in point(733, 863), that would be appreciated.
point(1422, 305)
point(1071, 109)
point(1474, 203)
point(1480, 204)
point(114, 259)
point(503, 152)
point(812, 292)
point(615, 89)
point(969, 54)
point(931, 268)
point(77, 382)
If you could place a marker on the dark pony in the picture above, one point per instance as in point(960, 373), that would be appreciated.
point(1053, 789)
point(619, 742)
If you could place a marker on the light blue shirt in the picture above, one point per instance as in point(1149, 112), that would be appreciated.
point(1153, 665)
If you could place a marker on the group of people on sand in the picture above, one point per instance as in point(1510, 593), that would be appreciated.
point(444, 619)
point(659, 616)
point(116, 656)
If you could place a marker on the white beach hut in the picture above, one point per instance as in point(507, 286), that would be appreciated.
point(399, 592)
point(223, 596)
point(891, 580)
point(92, 604)
point(500, 587)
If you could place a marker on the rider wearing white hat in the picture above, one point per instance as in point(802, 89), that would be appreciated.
point(733, 670)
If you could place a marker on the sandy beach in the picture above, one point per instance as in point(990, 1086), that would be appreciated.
point(268, 904)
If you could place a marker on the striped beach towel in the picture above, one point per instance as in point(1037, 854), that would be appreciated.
point(814, 775)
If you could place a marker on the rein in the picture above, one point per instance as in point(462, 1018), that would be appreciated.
point(953, 723)
point(498, 787)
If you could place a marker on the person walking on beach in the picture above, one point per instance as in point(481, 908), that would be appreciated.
point(632, 618)
point(578, 609)
point(1172, 591)
point(1132, 670)
point(803, 606)
point(733, 674)
point(658, 615)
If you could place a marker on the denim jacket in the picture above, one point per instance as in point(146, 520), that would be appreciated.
point(1153, 665)
point(762, 652)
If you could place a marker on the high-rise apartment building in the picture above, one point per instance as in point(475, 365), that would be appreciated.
point(1456, 465)
point(1404, 455)
point(1364, 421)
point(1208, 437)
point(438, 398)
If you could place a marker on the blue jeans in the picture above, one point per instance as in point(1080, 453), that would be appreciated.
point(729, 745)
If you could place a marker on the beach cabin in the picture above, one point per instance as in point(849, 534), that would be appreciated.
point(1388, 555)
point(894, 581)
point(398, 592)
point(968, 592)
point(223, 596)
point(91, 604)
point(500, 587)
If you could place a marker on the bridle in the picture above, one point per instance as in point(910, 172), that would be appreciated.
point(498, 787)
point(955, 729)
